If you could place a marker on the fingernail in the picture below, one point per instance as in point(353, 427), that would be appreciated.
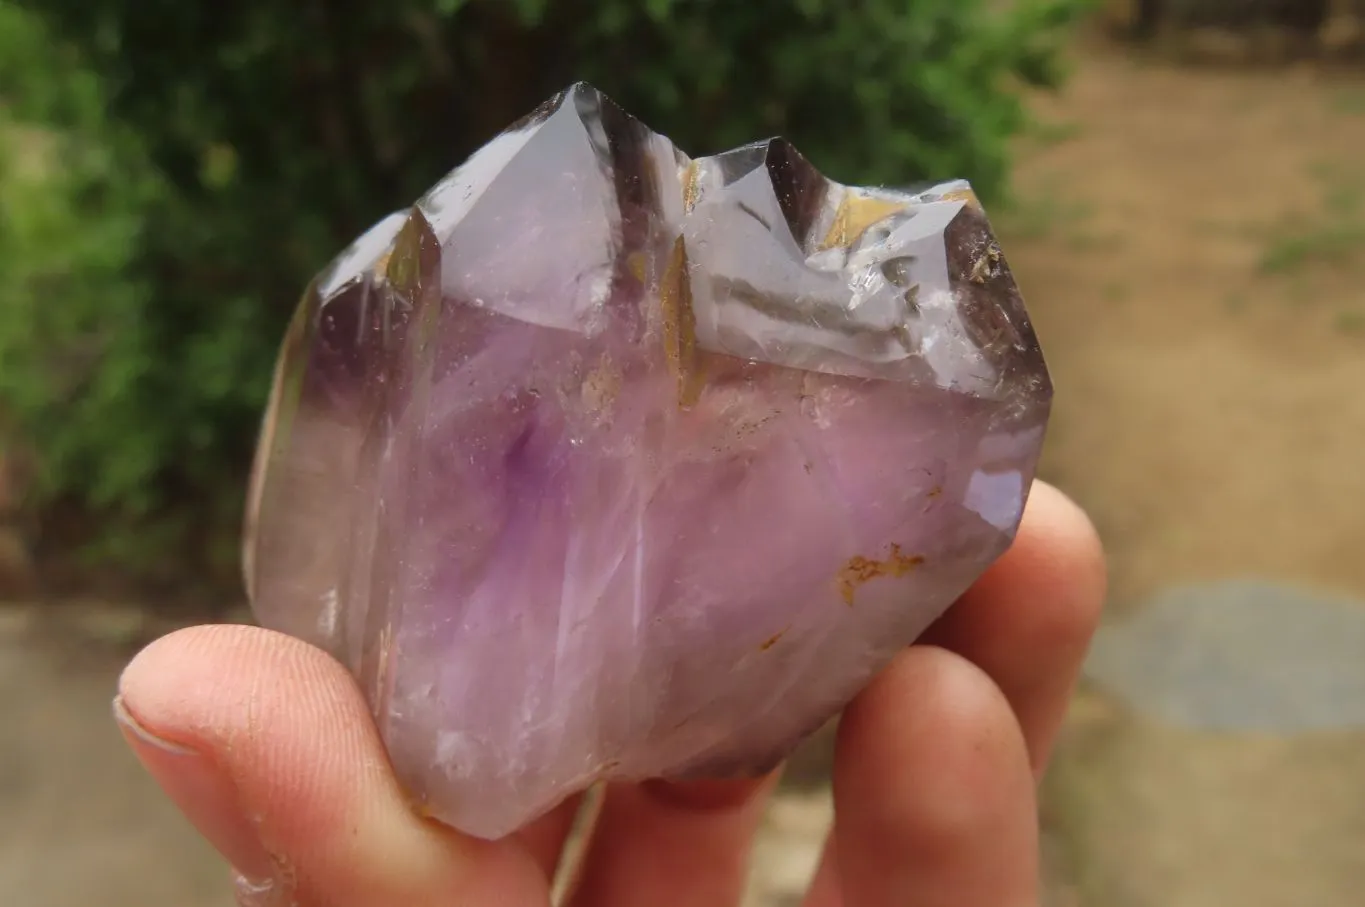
point(204, 794)
point(258, 894)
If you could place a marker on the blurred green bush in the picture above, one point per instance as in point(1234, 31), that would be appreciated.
point(172, 172)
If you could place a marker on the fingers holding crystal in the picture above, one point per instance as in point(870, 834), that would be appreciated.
point(1029, 620)
point(934, 800)
point(267, 746)
point(672, 844)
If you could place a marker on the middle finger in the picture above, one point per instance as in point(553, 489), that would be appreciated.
point(672, 844)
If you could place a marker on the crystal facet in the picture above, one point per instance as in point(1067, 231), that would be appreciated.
point(602, 462)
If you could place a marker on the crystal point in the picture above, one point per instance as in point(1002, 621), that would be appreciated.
point(602, 462)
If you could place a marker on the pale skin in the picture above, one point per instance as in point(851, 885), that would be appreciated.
point(267, 747)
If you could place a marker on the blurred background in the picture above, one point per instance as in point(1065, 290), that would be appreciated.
point(1180, 188)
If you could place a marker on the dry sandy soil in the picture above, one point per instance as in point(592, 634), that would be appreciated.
point(1201, 290)
point(1185, 238)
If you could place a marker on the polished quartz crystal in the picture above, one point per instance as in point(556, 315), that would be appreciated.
point(602, 462)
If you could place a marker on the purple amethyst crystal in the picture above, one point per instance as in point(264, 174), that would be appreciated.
point(602, 462)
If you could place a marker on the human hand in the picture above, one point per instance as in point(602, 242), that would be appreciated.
point(267, 746)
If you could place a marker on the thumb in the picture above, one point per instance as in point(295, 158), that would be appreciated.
point(267, 747)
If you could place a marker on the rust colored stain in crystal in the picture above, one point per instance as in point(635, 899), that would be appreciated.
point(985, 266)
point(381, 264)
point(855, 214)
point(601, 387)
point(636, 265)
point(680, 325)
point(772, 640)
point(962, 195)
point(691, 189)
point(861, 569)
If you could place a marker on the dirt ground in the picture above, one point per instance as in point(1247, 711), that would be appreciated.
point(1193, 250)
point(1192, 245)
point(1198, 277)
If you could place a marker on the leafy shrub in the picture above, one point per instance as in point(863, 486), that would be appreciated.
point(75, 351)
point(201, 160)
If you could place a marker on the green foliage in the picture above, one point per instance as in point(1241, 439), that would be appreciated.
point(74, 196)
point(173, 170)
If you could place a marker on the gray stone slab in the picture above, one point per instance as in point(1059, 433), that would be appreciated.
point(1239, 655)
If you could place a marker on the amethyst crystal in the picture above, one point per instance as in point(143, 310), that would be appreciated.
point(602, 462)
